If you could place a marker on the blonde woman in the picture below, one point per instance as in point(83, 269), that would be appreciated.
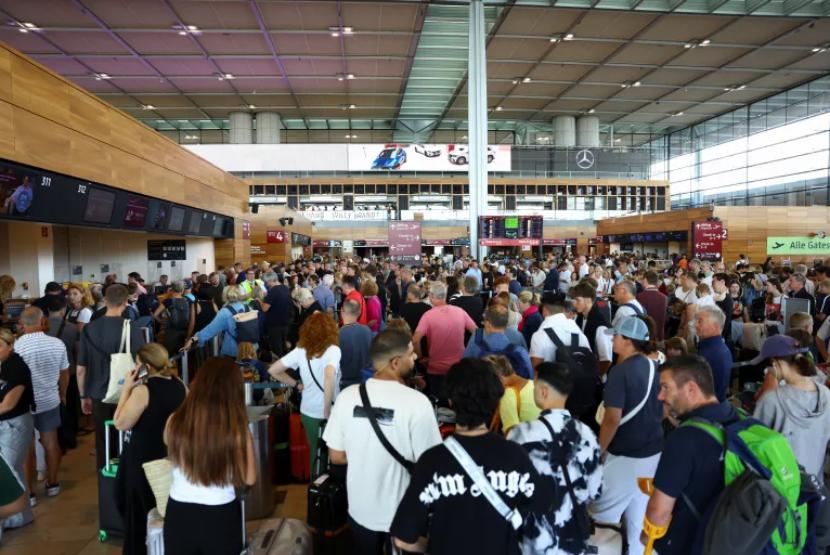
point(79, 305)
point(223, 323)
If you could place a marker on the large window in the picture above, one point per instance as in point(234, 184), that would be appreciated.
point(773, 152)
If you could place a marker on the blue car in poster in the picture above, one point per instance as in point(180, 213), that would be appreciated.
point(392, 157)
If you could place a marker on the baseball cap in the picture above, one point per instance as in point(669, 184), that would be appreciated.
point(631, 327)
point(778, 346)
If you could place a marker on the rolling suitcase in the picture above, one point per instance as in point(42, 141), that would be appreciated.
point(281, 536)
point(110, 521)
point(328, 514)
point(298, 449)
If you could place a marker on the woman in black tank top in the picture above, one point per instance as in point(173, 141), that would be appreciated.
point(146, 403)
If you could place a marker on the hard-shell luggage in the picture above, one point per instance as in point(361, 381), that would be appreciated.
point(299, 449)
point(279, 430)
point(110, 520)
point(155, 533)
point(328, 516)
point(281, 536)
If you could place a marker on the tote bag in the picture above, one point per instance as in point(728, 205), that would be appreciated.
point(121, 363)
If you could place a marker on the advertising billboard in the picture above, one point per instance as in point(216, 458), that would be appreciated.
point(420, 157)
point(405, 242)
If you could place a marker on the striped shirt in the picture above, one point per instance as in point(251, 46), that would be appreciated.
point(46, 358)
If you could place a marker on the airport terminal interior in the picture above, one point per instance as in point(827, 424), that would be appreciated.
point(181, 146)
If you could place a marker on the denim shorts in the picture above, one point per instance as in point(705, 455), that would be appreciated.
point(48, 421)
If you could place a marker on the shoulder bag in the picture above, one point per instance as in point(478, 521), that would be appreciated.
point(627, 418)
point(121, 363)
point(473, 470)
point(373, 420)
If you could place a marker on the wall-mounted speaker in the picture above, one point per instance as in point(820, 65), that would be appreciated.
point(292, 202)
point(511, 202)
point(255, 209)
point(403, 202)
point(457, 202)
point(348, 202)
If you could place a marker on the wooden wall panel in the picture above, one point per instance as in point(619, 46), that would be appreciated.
point(50, 123)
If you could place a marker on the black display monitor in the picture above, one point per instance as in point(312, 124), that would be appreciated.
point(99, 206)
point(195, 223)
point(176, 221)
point(158, 215)
point(17, 193)
point(219, 227)
point(135, 215)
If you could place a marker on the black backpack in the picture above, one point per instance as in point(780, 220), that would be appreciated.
point(586, 394)
point(178, 314)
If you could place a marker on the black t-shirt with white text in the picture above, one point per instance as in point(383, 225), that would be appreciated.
point(442, 504)
point(14, 372)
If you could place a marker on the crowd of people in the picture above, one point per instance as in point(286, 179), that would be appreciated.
point(571, 380)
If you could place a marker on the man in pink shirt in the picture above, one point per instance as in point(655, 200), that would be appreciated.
point(443, 326)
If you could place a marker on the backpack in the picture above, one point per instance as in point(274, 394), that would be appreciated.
point(761, 509)
point(517, 361)
point(586, 394)
point(178, 314)
point(757, 310)
point(247, 324)
point(638, 311)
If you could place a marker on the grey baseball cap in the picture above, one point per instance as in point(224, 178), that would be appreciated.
point(631, 327)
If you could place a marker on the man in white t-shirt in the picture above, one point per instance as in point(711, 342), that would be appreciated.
point(375, 479)
point(48, 363)
point(542, 347)
point(627, 304)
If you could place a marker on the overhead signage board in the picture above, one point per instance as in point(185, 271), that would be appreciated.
point(707, 240)
point(171, 249)
point(560, 242)
point(345, 215)
point(798, 245)
point(509, 242)
point(405, 242)
point(36, 195)
point(274, 236)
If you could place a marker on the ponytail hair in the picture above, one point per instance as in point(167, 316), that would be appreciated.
point(802, 362)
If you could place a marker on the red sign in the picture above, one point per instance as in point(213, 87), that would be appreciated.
point(246, 229)
point(509, 242)
point(274, 236)
point(405, 241)
point(707, 240)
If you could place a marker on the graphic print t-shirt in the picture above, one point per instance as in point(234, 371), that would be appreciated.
point(443, 504)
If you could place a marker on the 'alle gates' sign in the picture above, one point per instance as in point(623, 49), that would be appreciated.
point(798, 245)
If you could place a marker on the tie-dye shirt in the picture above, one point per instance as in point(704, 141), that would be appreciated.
point(557, 533)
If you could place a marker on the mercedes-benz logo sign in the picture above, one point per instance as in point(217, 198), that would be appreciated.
point(585, 159)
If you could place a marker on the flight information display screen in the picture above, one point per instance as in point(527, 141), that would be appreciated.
point(510, 227)
point(37, 195)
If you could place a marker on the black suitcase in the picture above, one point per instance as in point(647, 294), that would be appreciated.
point(110, 521)
point(328, 507)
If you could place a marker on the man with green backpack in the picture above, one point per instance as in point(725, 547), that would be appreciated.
point(725, 483)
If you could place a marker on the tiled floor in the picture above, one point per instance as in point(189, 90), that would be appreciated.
point(68, 524)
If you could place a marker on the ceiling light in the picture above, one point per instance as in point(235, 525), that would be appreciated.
point(636, 84)
point(30, 25)
point(569, 36)
point(182, 33)
point(591, 111)
point(335, 33)
point(104, 76)
point(192, 28)
point(148, 107)
point(24, 31)
point(705, 42)
point(251, 107)
point(499, 108)
point(742, 87)
point(728, 89)
point(229, 76)
point(617, 140)
point(348, 106)
point(688, 45)
point(821, 48)
point(624, 85)
point(464, 138)
point(351, 136)
point(337, 30)
point(678, 114)
point(348, 30)
point(526, 80)
point(555, 38)
point(515, 81)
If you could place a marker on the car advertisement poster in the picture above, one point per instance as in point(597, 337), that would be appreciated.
point(424, 157)
point(405, 242)
point(707, 240)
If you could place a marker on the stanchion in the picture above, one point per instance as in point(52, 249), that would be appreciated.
point(181, 358)
point(653, 531)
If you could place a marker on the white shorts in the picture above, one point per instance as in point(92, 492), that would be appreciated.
point(621, 495)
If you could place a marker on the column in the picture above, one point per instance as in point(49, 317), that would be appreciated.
point(564, 131)
point(241, 127)
point(587, 131)
point(477, 122)
point(268, 125)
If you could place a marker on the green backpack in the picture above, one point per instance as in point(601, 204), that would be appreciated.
point(753, 452)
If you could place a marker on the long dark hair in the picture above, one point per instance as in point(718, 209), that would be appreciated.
point(207, 436)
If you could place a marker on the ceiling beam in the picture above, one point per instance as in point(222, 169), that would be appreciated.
point(124, 44)
point(792, 6)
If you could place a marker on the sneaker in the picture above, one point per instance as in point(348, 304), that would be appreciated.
point(41, 475)
point(32, 500)
point(53, 489)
